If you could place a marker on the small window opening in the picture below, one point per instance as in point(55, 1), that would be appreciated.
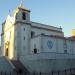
point(35, 50)
point(24, 16)
point(32, 34)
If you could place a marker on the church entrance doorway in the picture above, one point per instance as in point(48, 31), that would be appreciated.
point(7, 52)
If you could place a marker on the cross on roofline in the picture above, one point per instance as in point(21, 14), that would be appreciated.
point(21, 3)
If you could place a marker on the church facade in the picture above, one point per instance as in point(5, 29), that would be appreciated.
point(39, 47)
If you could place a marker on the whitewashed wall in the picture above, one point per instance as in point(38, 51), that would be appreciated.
point(73, 47)
point(35, 24)
point(8, 36)
point(46, 32)
point(23, 37)
point(53, 44)
point(36, 42)
point(59, 45)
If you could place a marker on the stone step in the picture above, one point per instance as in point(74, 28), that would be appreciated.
point(19, 67)
point(6, 65)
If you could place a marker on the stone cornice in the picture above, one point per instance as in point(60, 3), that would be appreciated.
point(28, 23)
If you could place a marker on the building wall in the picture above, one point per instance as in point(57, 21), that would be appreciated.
point(36, 43)
point(49, 44)
point(44, 26)
point(53, 44)
point(46, 32)
point(2, 45)
point(19, 38)
point(8, 37)
point(59, 45)
point(22, 39)
point(50, 50)
point(14, 34)
point(37, 63)
point(47, 59)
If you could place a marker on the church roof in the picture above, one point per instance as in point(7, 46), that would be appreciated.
point(22, 8)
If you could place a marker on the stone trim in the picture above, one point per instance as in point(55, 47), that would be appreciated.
point(46, 29)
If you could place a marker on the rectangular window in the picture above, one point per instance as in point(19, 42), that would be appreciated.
point(32, 34)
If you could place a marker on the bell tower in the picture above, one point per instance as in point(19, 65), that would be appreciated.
point(22, 31)
point(21, 13)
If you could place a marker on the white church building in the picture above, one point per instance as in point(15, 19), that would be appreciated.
point(39, 47)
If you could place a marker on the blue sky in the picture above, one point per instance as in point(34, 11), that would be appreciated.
point(52, 12)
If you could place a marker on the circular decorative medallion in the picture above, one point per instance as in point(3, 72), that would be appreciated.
point(49, 44)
